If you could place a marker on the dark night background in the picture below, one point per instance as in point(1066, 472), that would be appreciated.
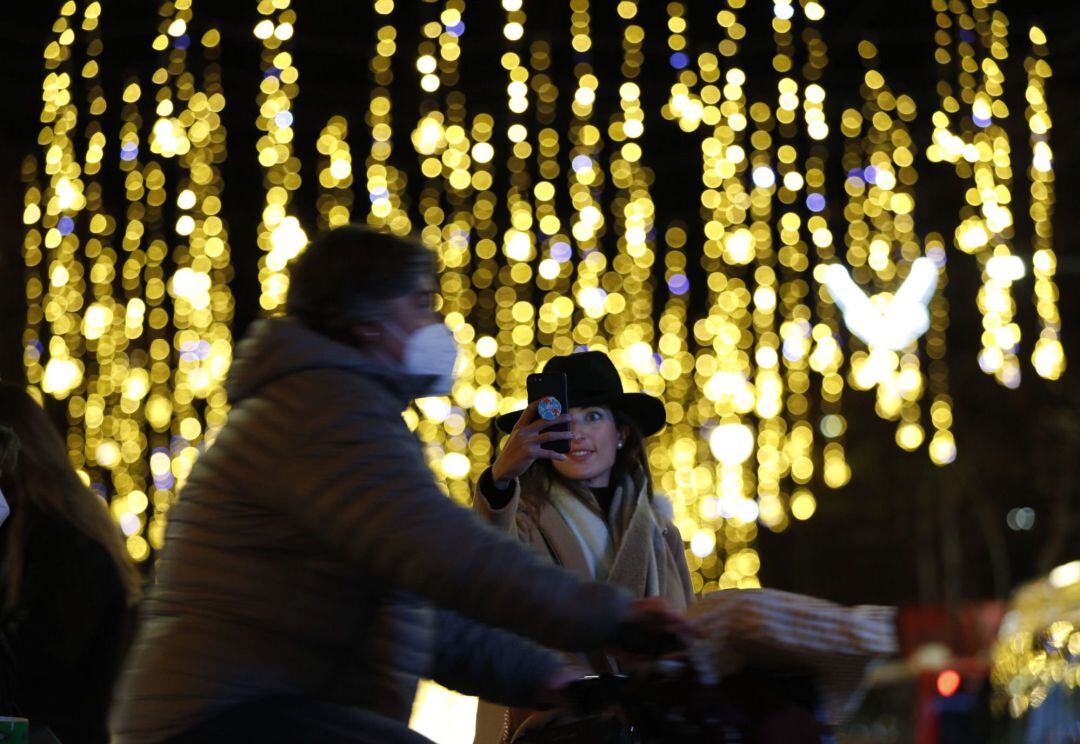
point(903, 530)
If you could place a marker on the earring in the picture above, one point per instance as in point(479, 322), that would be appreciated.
point(618, 445)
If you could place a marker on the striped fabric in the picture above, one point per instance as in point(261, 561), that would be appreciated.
point(771, 629)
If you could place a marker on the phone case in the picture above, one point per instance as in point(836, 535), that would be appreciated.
point(550, 389)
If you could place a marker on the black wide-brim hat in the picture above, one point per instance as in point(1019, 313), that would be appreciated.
point(592, 380)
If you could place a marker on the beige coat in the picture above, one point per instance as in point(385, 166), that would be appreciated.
point(649, 560)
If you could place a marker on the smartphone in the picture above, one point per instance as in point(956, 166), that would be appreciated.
point(550, 389)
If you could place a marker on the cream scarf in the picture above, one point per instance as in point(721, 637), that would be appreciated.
point(628, 548)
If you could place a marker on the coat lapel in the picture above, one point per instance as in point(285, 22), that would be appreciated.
point(640, 552)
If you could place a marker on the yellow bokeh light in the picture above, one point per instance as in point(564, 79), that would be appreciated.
point(803, 505)
point(731, 444)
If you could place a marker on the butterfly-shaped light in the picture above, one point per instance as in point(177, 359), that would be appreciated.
point(904, 318)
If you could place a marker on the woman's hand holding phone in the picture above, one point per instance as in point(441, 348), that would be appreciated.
point(525, 445)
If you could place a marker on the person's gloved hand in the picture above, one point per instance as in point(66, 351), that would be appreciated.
point(552, 692)
point(652, 628)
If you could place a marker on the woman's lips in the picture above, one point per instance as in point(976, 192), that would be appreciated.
point(580, 455)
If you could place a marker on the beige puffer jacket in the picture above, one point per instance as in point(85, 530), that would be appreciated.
point(309, 547)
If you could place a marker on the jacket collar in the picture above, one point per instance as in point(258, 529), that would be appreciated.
point(279, 347)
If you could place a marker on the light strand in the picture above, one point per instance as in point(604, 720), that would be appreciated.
point(385, 183)
point(1048, 358)
point(979, 151)
point(281, 236)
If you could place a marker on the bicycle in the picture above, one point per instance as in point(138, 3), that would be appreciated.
point(670, 701)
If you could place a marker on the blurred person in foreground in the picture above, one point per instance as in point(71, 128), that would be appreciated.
point(592, 510)
point(66, 585)
point(312, 570)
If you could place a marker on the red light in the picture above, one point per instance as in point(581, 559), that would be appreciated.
point(948, 682)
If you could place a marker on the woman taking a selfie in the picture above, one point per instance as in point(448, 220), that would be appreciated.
point(592, 510)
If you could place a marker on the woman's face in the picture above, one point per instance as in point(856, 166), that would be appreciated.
point(593, 448)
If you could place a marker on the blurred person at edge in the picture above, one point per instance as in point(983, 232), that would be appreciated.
point(312, 569)
point(67, 586)
point(592, 510)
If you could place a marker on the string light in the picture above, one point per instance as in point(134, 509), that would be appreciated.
point(129, 316)
point(81, 347)
point(672, 456)
point(467, 445)
point(280, 235)
point(1048, 357)
point(475, 391)
point(184, 401)
point(722, 390)
point(134, 428)
point(628, 281)
point(335, 174)
point(942, 448)
point(554, 273)
point(385, 183)
point(827, 354)
point(794, 433)
point(759, 343)
point(883, 246)
point(55, 361)
point(441, 139)
point(514, 313)
point(202, 301)
point(587, 223)
point(979, 150)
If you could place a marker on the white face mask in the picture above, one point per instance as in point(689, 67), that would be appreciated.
point(5, 510)
point(431, 351)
